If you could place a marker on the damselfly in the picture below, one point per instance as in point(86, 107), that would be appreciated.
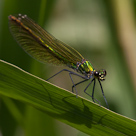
point(47, 49)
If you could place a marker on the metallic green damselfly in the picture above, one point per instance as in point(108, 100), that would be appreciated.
point(44, 47)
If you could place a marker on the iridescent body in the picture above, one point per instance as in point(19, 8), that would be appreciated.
point(47, 49)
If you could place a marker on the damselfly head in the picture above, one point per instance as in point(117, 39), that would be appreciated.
point(100, 74)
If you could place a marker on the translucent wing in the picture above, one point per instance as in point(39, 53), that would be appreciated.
point(40, 44)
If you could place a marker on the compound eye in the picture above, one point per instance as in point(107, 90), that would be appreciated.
point(102, 74)
point(96, 74)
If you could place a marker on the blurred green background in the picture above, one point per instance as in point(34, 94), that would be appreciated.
point(104, 32)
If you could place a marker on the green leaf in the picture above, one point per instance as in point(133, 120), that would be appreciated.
point(61, 104)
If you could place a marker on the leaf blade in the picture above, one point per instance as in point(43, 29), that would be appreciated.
point(62, 104)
